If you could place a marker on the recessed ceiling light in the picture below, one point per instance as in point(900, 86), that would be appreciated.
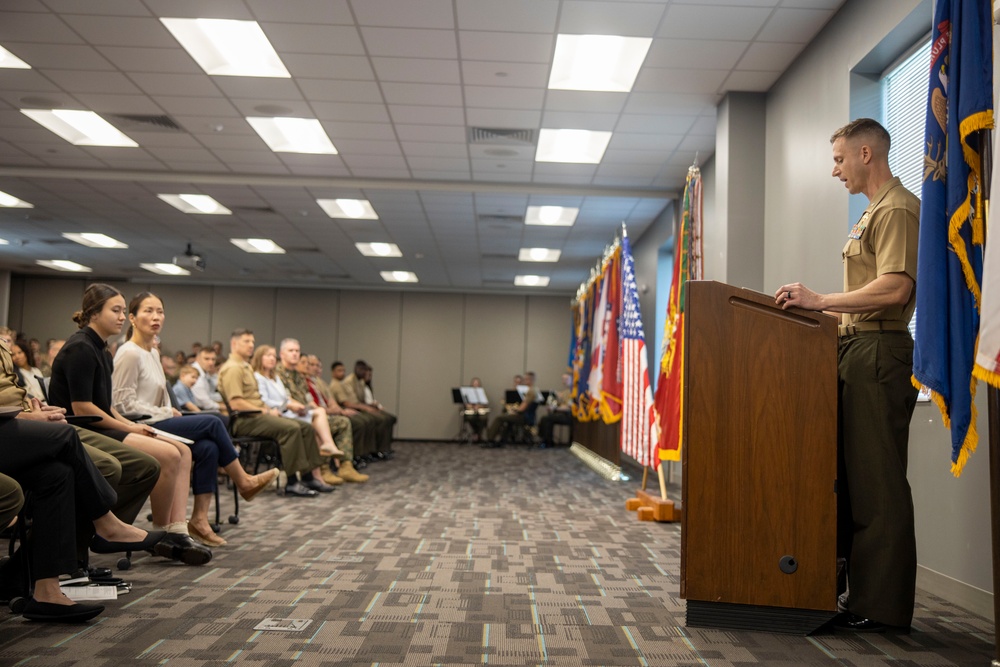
point(577, 146)
point(293, 135)
point(399, 276)
point(539, 255)
point(165, 269)
point(260, 246)
point(355, 209)
point(226, 47)
point(551, 216)
point(8, 59)
point(531, 281)
point(80, 128)
point(95, 240)
point(606, 63)
point(10, 201)
point(4, 242)
point(199, 204)
point(378, 249)
point(63, 265)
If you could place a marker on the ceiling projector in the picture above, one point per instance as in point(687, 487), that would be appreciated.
point(190, 260)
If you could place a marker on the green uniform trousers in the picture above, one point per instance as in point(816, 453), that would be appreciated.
point(295, 438)
point(343, 436)
point(875, 507)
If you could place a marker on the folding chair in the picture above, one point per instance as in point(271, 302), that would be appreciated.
point(251, 448)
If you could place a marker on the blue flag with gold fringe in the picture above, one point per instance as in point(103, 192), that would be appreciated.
point(949, 257)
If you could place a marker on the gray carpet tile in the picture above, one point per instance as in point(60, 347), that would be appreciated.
point(452, 555)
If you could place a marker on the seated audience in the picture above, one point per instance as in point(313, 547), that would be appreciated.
point(559, 411)
point(357, 388)
point(302, 376)
point(299, 455)
point(130, 473)
point(206, 388)
point(475, 413)
point(30, 376)
point(44, 456)
point(53, 346)
point(169, 365)
point(274, 393)
point(521, 416)
point(186, 377)
point(81, 384)
point(138, 386)
point(366, 426)
point(41, 359)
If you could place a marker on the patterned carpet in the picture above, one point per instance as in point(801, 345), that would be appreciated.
point(451, 555)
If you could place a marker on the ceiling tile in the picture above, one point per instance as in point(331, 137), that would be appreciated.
point(656, 80)
point(695, 53)
point(787, 24)
point(443, 133)
point(326, 90)
point(93, 82)
point(708, 22)
point(417, 70)
point(754, 82)
point(138, 59)
point(377, 113)
point(504, 46)
point(628, 19)
point(774, 56)
point(507, 16)
point(304, 11)
point(423, 14)
point(574, 100)
point(121, 31)
point(26, 27)
point(503, 118)
point(580, 120)
point(505, 74)
point(410, 43)
point(326, 66)
point(311, 38)
point(427, 115)
point(427, 94)
point(504, 98)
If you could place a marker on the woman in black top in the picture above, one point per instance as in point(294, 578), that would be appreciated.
point(81, 383)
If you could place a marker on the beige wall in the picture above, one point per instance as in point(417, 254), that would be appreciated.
point(420, 344)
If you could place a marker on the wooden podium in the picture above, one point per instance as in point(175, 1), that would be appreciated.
point(758, 540)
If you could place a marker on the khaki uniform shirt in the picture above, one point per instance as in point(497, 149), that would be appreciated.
point(353, 390)
point(294, 383)
point(11, 395)
point(883, 241)
point(236, 380)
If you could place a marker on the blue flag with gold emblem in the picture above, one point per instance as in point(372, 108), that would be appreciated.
point(949, 257)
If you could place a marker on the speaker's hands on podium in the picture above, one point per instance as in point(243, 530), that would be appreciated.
point(799, 296)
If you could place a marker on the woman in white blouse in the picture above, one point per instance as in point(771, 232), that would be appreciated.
point(139, 386)
point(275, 396)
point(24, 362)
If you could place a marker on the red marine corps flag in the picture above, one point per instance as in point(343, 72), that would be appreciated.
point(687, 266)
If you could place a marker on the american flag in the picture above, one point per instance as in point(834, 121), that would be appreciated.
point(639, 417)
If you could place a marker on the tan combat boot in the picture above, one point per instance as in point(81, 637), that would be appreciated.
point(329, 477)
point(347, 473)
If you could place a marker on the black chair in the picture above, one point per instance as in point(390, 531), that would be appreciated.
point(253, 450)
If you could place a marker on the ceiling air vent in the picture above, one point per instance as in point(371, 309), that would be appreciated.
point(499, 219)
point(501, 136)
point(143, 123)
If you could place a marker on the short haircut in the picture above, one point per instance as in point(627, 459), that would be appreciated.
point(187, 370)
point(237, 333)
point(289, 341)
point(335, 364)
point(206, 350)
point(866, 129)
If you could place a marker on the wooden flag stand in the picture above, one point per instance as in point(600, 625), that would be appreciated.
point(654, 508)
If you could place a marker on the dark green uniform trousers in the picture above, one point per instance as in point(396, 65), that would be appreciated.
point(875, 507)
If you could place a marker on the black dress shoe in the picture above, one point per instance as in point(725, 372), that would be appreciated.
point(61, 613)
point(318, 485)
point(180, 547)
point(300, 490)
point(99, 545)
point(855, 623)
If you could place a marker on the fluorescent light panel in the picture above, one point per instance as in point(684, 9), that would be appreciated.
point(576, 146)
point(79, 127)
point(4, 242)
point(197, 204)
point(10, 201)
point(353, 209)
point(9, 60)
point(166, 269)
point(531, 281)
point(539, 255)
point(378, 249)
point(63, 265)
point(606, 63)
point(551, 216)
point(399, 276)
point(226, 47)
point(293, 135)
point(93, 240)
point(259, 246)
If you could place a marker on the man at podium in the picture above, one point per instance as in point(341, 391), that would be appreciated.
point(875, 506)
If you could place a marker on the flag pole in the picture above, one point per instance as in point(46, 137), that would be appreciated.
point(992, 416)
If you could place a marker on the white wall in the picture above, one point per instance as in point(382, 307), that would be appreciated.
point(420, 344)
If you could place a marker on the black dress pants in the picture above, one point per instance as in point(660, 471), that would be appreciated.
point(50, 464)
